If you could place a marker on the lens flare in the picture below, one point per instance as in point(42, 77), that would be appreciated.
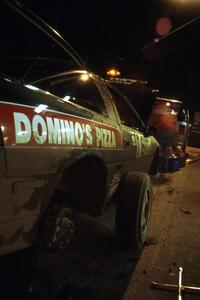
point(163, 26)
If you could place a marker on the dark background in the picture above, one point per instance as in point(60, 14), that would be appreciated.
point(121, 34)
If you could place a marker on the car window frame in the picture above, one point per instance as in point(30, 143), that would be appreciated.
point(141, 125)
point(104, 111)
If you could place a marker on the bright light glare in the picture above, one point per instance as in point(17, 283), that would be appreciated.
point(22, 132)
point(6, 79)
point(188, 160)
point(40, 108)
point(56, 32)
point(189, 2)
point(113, 72)
point(84, 77)
point(66, 98)
point(31, 87)
point(156, 40)
point(167, 104)
point(173, 112)
point(163, 26)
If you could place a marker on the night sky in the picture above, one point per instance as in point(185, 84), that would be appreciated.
point(122, 34)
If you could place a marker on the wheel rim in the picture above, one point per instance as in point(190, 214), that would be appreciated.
point(145, 215)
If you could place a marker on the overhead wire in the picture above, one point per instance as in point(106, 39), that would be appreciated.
point(124, 59)
point(164, 37)
point(177, 47)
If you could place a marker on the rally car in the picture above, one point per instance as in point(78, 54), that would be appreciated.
point(67, 141)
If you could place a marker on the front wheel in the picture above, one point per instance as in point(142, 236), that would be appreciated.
point(133, 211)
point(57, 225)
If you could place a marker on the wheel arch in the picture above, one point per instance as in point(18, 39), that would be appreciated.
point(84, 183)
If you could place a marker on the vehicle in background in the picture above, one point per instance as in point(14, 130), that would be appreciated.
point(184, 126)
point(177, 112)
point(196, 121)
point(194, 138)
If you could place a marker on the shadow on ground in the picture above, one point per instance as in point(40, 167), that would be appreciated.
point(161, 178)
point(92, 268)
point(16, 274)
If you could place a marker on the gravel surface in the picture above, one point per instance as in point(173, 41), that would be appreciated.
point(174, 229)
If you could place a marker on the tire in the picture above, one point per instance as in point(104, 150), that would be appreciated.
point(57, 226)
point(63, 233)
point(133, 210)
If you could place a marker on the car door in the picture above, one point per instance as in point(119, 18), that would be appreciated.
point(131, 126)
point(80, 90)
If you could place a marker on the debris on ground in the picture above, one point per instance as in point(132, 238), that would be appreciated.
point(185, 211)
point(171, 272)
point(150, 241)
point(171, 190)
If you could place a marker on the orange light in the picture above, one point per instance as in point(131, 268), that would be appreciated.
point(84, 77)
point(113, 72)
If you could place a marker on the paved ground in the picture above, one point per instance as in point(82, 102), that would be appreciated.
point(174, 234)
point(193, 154)
point(94, 268)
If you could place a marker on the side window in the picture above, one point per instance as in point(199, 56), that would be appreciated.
point(125, 111)
point(79, 89)
point(183, 115)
